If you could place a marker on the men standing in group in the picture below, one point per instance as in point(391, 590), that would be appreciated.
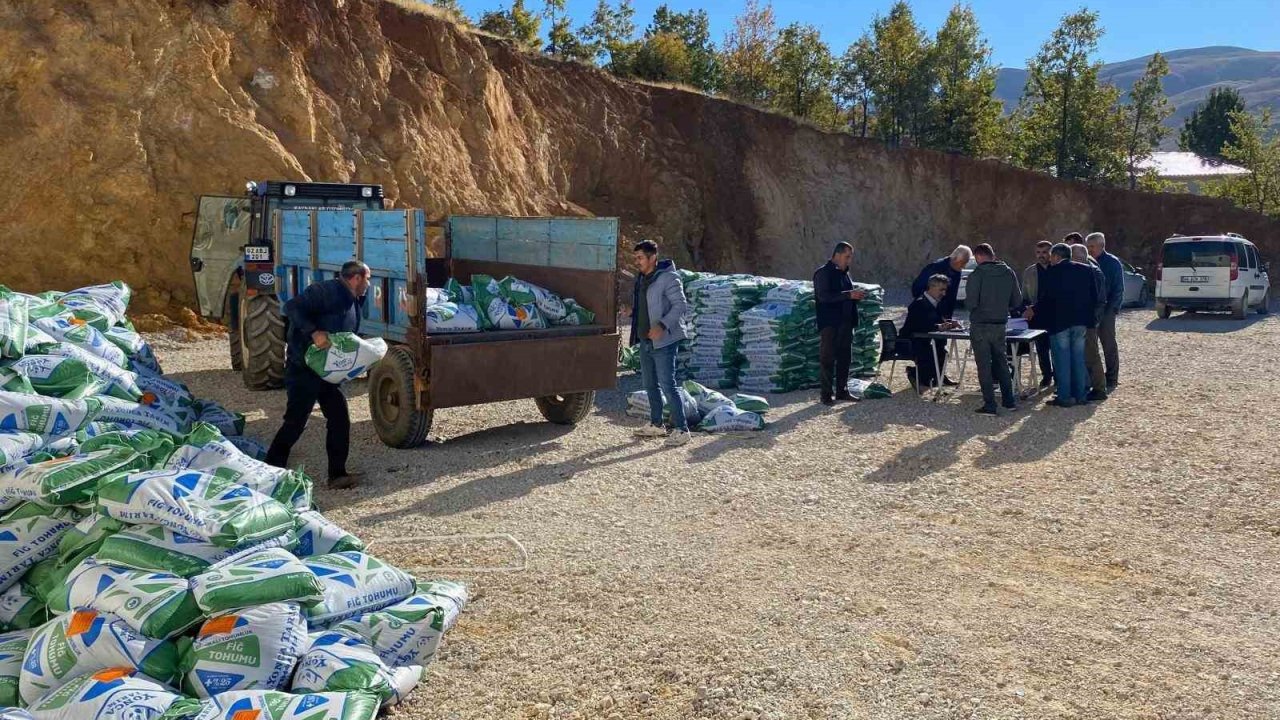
point(837, 310)
point(924, 315)
point(324, 307)
point(658, 308)
point(1032, 278)
point(950, 266)
point(1065, 304)
point(1113, 270)
point(1092, 351)
point(991, 294)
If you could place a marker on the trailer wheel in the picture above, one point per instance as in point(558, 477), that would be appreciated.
point(566, 409)
point(391, 398)
point(262, 341)
point(231, 318)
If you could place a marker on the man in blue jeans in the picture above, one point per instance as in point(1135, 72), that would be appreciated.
point(658, 308)
point(1065, 307)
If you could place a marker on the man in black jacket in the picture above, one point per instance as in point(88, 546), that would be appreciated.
point(327, 307)
point(924, 315)
point(951, 266)
point(837, 310)
point(1066, 306)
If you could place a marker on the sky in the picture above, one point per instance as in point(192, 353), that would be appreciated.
point(1015, 29)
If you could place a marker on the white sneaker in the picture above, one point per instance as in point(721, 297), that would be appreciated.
point(678, 438)
point(650, 431)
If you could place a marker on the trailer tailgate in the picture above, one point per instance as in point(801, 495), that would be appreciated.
point(483, 372)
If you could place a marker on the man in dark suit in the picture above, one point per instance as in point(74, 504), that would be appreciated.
point(950, 266)
point(1066, 305)
point(837, 309)
point(924, 315)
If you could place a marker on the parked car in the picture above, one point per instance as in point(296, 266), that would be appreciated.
point(1135, 286)
point(964, 280)
point(1211, 272)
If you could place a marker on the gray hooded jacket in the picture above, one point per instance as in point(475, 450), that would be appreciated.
point(667, 305)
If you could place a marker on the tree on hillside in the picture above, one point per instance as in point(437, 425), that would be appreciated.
point(804, 73)
point(563, 43)
point(662, 57)
point(853, 84)
point(693, 29)
point(1208, 129)
point(1145, 115)
point(964, 115)
point(903, 79)
point(608, 37)
point(1068, 122)
point(746, 58)
point(452, 9)
point(1256, 148)
point(518, 24)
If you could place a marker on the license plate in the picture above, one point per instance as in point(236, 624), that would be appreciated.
point(1195, 278)
point(257, 253)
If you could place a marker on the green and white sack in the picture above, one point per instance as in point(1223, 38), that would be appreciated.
point(16, 445)
point(273, 705)
point(339, 663)
point(29, 534)
point(68, 480)
point(154, 444)
point(108, 301)
point(449, 317)
point(355, 583)
point(255, 577)
point(706, 398)
point(13, 647)
point(409, 632)
point(136, 415)
point(575, 314)
point(158, 549)
point(522, 292)
point(196, 505)
point(252, 649)
point(87, 641)
point(497, 312)
point(86, 337)
point(20, 609)
point(14, 318)
point(751, 403)
point(15, 382)
point(157, 605)
point(318, 535)
point(348, 356)
point(48, 417)
point(113, 694)
point(58, 377)
point(727, 418)
point(169, 392)
point(250, 447)
point(227, 422)
point(206, 450)
point(86, 536)
point(115, 381)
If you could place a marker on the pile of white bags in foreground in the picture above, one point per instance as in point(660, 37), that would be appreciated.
point(152, 566)
point(706, 409)
point(506, 304)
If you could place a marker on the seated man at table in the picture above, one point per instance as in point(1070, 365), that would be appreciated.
point(923, 317)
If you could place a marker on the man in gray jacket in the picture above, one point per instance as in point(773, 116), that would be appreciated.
point(658, 308)
point(991, 294)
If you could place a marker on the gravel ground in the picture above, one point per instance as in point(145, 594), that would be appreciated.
point(887, 559)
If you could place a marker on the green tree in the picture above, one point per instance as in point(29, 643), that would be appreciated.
point(1068, 122)
point(804, 73)
point(1208, 129)
point(964, 113)
point(854, 80)
point(608, 37)
point(452, 9)
point(693, 29)
point(747, 55)
point(1256, 148)
point(518, 24)
point(902, 83)
point(662, 57)
point(563, 43)
point(1145, 115)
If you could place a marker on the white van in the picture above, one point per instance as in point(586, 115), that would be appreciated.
point(1211, 272)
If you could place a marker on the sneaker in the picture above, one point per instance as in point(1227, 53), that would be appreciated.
point(1046, 381)
point(650, 431)
point(678, 438)
point(987, 410)
point(1111, 386)
point(345, 481)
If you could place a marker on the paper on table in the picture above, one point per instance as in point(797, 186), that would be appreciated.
point(1015, 325)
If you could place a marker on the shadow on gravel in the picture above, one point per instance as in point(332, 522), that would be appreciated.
point(479, 492)
point(1202, 323)
point(1045, 429)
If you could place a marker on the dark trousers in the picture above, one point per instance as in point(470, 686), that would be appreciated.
point(926, 371)
point(1044, 352)
point(835, 352)
point(305, 389)
point(1110, 350)
point(989, 352)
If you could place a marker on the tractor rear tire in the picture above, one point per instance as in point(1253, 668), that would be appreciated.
point(391, 401)
point(262, 341)
point(232, 321)
point(566, 409)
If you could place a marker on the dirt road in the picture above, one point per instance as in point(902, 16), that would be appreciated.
point(889, 559)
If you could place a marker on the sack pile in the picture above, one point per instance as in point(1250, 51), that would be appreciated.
point(717, 303)
point(780, 341)
point(706, 409)
point(866, 336)
point(151, 565)
point(506, 304)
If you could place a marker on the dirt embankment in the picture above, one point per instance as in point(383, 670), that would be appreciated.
point(115, 116)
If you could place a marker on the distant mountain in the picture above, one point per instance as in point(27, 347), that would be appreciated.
point(1192, 74)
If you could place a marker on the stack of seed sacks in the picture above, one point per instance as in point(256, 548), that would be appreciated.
point(866, 336)
point(780, 341)
point(717, 303)
point(149, 563)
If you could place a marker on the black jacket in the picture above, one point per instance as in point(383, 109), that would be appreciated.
point(834, 307)
point(327, 306)
point(1068, 296)
point(941, 266)
point(922, 317)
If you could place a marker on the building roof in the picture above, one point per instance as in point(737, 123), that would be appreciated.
point(1188, 164)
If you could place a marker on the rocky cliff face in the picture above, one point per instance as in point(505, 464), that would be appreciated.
point(115, 116)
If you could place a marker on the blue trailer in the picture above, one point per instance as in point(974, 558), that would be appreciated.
point(250, 255)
